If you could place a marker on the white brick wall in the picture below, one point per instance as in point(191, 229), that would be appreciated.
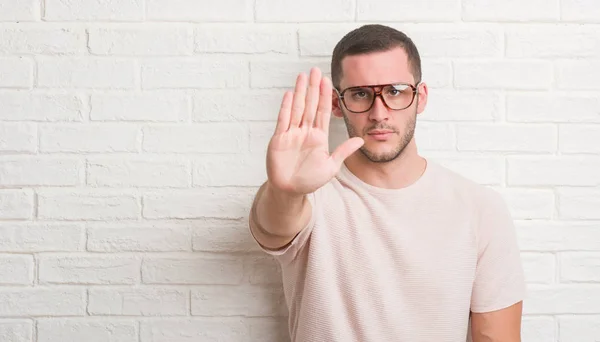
point(133, 133)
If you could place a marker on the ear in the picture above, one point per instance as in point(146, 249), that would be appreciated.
point(335, 105)
point(423, 93)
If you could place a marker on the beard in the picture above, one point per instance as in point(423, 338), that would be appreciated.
point(388, 156)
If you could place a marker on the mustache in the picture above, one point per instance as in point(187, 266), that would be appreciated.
point(381, 127)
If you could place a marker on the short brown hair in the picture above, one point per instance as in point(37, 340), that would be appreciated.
point(373, 38)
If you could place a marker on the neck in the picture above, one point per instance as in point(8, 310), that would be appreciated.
point(399, 173)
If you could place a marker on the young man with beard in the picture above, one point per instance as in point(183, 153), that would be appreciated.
point(377, 243)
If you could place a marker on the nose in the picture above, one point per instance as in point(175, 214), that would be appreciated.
point(379, 111)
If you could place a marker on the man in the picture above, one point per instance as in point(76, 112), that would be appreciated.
point(377, 243)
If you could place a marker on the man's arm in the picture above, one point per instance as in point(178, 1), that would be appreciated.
point(276, 219)
point(498, 326)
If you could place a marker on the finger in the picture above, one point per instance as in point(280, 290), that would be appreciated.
point(283, 119)
point(346, 149)
point(298, 101)
point(312, 98)
point(324, 107)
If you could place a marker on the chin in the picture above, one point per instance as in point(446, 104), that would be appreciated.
point(380, 155)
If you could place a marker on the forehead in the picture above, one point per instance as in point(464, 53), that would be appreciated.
point(376, 68)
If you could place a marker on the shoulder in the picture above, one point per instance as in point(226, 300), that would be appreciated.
point(467, 189)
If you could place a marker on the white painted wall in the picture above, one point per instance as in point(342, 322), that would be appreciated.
point(132, 139)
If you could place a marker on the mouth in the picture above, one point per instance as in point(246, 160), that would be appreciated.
point(380, 134)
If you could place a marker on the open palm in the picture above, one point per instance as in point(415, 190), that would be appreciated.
point(298, 158)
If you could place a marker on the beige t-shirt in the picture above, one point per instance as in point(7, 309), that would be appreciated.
point(402, 265)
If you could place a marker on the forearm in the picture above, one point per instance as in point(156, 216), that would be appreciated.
point(280, 215)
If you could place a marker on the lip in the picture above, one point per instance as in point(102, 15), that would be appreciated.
point(380, 131)
point(380, 134)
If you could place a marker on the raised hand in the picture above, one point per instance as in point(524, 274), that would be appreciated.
point(298, 158)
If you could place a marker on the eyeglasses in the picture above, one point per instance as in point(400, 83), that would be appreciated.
point(395, 96)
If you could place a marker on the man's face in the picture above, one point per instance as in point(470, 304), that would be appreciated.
point(386, 132)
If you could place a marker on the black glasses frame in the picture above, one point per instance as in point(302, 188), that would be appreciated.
point(415, 91)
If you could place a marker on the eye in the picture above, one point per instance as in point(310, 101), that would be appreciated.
point(359, 94)
point(393, 91)
point(397, 89)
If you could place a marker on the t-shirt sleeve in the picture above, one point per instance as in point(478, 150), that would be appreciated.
point(499, 279)
point(288, 252)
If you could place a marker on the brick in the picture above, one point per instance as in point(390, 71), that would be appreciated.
point(539, 267)
point(39, 301)
point(200, 270)
point(262, 132)
point(551, 171)
point(91, 10)
point(43, 107)
point(89, 330)
point(232, 203)
point(562, 299)
point(220, 236)
point(505, 74)
point(294, 11)
point(546, 41)
point(579, 10)
point(91, 138)
point(435, 136)
point(268, 329)
point(36, 171)
point(151, 106)
point(17, 268)
point(579, 267)
point(42, 40)
point(18, 138)
point(95, 73)
point(482, 170)
point(556, 107)
point(578, 203)
point(529, 204)
point(245, 105)
point(254, 39)
point(148, 41)
point(263, 270)
point(200, 73)
point(19, 10)
point(138, 237)
point(40, 237)
point(224, 170)
point(282, 74)
point(436, 73)
point(538, 329)
point(573, 328)
point(418, 11)
point(16, 204)
point(577, 75)
point(16, 72)
point(238, 301)
point(555, 236)
point(138, 172)
point(319, 40)
point(462, 105)
point(507, 137)
point(510, 10)
point(206, 138)
point(579, 139)
point(88, 270)
point(87, 205)
point(16, 330)
point(209, 329)
point(450, 41)
point(195, 11)
point(139, 302)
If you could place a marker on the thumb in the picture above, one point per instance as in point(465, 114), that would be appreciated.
point(346, 149)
